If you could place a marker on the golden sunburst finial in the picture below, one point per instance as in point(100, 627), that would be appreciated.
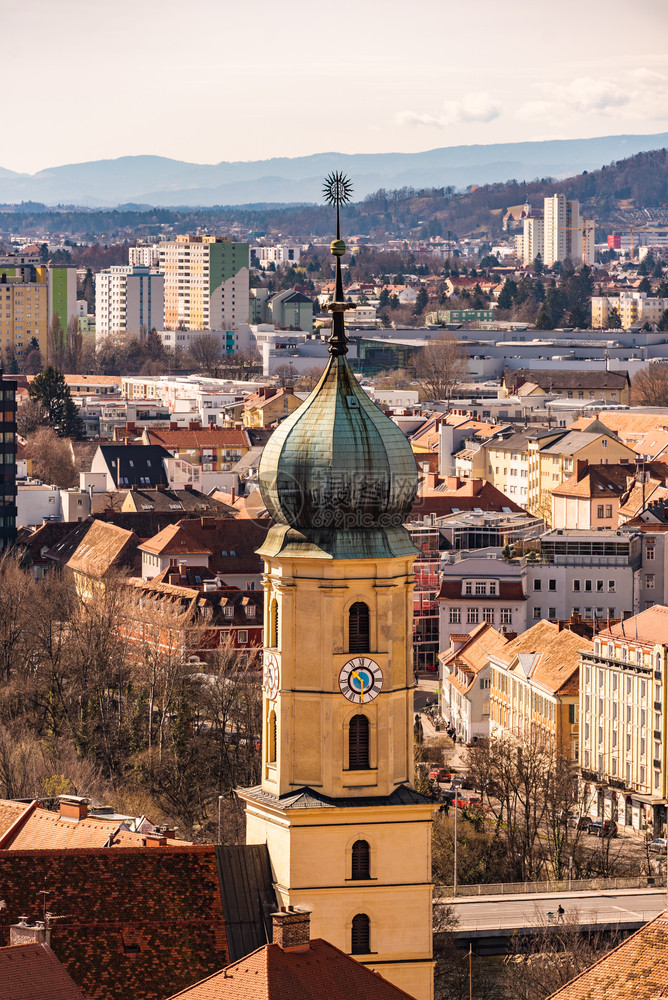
point(337, 189)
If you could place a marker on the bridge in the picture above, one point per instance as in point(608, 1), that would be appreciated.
point(487, 923)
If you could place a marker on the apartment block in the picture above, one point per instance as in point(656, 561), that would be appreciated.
point(566, 233)
point(206, 283)
point(533, 239)
point(62, 295)
point(623, 721)
point(144, 256)
point(128, 299)
point(633, 308)
point(23, 308)
point(7, 463)
point(534, 689)
point(283, 253)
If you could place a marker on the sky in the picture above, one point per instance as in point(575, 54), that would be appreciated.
point(212, 80)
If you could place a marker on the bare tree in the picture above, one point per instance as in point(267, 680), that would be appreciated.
point(30, 414)
point(439, 365)
point(53, 461)
point(207, 353)
point(649, 387)
point(309, 378)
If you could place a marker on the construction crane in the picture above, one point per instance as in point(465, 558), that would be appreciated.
point(579, 229)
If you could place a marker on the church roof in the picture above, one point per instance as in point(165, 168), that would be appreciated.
point(307, 798)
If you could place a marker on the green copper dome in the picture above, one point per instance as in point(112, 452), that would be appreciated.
point(338, 466)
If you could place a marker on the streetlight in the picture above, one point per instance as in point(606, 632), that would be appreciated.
point(454, 880)
point(220, 799)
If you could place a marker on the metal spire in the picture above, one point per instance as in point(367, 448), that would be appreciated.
point(337, 190)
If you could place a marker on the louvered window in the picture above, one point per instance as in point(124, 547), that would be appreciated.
point(360, 865)
point(273, 624)
point(272, 737)
point(358, 743)
point(358, 628)
point(360, 935)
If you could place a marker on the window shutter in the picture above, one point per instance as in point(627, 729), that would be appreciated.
point(360, 861)
point(360, 935)
point(358, 628)
point(358, 743)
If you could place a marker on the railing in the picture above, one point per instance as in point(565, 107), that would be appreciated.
point(553, 885)
point(614, 921)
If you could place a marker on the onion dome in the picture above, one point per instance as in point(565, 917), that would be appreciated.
point(337, 474)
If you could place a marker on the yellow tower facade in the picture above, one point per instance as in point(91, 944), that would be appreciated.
point(348, 836)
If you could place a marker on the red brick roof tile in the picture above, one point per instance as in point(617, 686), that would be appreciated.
point(32, 972)
point(271, 973)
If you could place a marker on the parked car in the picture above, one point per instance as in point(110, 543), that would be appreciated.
point(470, 802)
point(659, 845)
point(448, 795)
point(468, 781)
point(440, 774)
point(578, 822)
point(603, 828)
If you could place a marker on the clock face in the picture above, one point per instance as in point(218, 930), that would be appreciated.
point(360, 680)
point(271, 675)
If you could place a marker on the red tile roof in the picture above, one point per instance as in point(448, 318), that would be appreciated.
point(272, 973)
point(133, 922)
point(650, 626)
point(509, 590)
point(636, 969)
point(32, 972)
point(204, 437)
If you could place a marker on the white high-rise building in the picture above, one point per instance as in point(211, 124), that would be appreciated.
point(144, 256)
point(564, 232)
point(533, 239)
point(128, 299)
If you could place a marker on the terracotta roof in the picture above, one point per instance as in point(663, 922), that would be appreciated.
point(32, 972)
point(173, 540)
point(205, 437)
point(557, 655)
point(104, 546)
point(188, 501)
point(599, 482)
point(482, 641)
point(509, 590)
point(133, 922)
point(624, 423)
point(272, 973)
point(650, 626)
point(634, 970)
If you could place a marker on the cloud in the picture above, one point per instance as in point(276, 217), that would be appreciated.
point(473, 107)
point(643, 90)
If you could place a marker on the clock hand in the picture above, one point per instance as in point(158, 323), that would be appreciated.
point(357, 677)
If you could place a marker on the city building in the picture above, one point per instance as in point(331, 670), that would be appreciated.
point(144, 256)
point(347, 834)
point(534, 691)
point(291, 310)
point(633, 309)
point(23, 309)
point(624, 720)
point(465, 680)
point(206, 283)
point(61, 280)
point(584, 383)
point(286, 254)
point(128, 299)
point(566, 234)
point(533, 238)
point(212, 447)
point(8, 462)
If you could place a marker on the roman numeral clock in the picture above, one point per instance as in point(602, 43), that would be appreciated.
point(361, 680)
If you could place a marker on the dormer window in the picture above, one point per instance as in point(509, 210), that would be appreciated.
point(250, 611)
point(228, 611)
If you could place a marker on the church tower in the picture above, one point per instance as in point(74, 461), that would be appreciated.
point(347, 834)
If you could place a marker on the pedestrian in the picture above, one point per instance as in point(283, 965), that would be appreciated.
point(560, 912)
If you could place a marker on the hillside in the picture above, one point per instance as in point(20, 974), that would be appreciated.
point(633, 190)
point(159, 181)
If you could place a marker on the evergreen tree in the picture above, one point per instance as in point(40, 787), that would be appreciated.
point(52, 392)
point(507, 294)
point(645, 286)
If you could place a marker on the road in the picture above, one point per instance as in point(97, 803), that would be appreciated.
point(621, 906)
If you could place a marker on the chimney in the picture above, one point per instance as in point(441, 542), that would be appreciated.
point(431, 480)
point(154, 839)
point(232, 496)
point(130, 425)
point(73, 807)
point(194, 425)
point(23, 933)
point(208, 522)
point(173, 426)
point(291, 929)
point(580, 468)
point(453, 483)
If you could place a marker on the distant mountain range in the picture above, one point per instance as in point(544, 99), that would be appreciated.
point(159, 181)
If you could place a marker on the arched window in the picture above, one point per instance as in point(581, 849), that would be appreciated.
point(273, 624)
point(271, 737)
point(359, 938)
point(361, 856)
point(358, 743)
point(358, 628)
